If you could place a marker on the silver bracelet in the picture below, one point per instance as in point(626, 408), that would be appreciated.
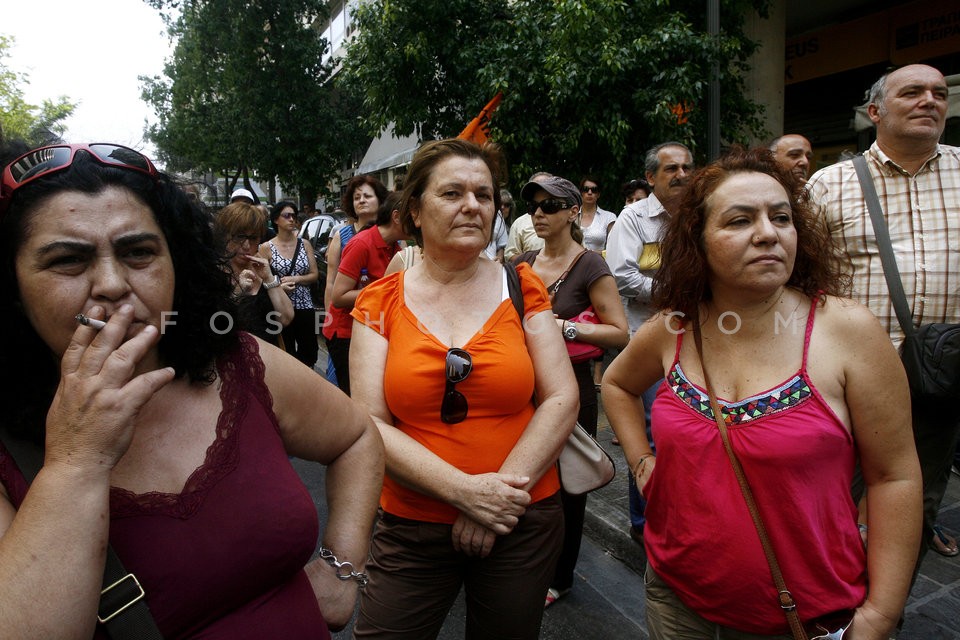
point(344, 570)
point(275, 283)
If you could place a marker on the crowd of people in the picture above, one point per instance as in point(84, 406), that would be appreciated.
point(733, 318)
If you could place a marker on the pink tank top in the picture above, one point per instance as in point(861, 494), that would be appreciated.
point(799, 460)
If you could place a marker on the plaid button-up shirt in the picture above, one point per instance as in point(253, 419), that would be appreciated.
point(923, 216)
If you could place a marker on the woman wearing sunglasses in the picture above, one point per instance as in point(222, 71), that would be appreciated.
point(442, 361)
point(263, 307)
point(292, 260)
point(768, 372)
point(595, 222)
point(161, 429)
point(587, 307)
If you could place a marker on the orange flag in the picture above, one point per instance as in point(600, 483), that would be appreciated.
point(681, 110)
point(479, 128)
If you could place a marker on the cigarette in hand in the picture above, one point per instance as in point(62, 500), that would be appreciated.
point(90, 322)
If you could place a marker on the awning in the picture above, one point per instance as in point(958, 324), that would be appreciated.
point(862, 121)
point(388, 151)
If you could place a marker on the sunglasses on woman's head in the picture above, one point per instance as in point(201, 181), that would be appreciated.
point(458, 366)
point(288, 215)
point(590, 190)
point(48, 160)
point(548, 206)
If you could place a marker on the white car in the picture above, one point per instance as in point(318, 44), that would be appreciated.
point(317, 230)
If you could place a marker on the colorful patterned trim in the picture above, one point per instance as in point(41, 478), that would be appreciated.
point(788, 395)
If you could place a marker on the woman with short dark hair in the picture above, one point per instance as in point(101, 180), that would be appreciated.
point(292, 260)
point(164, 431)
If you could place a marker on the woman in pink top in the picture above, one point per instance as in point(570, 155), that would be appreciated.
point(807, 382)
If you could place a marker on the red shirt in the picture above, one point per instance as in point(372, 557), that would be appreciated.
point(366, 250)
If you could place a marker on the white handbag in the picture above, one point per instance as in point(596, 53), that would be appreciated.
point(584, 465)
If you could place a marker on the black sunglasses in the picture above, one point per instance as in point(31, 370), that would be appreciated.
point(590, 190)
point(548, 206)
point(459, 364)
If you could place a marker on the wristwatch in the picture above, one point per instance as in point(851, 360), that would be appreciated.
point(570, 332)
point(271, 285)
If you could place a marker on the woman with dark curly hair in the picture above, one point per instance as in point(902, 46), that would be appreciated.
point(804, 382)
point(162, 429)
point(361, 202)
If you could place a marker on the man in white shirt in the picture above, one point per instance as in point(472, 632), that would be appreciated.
point(498, 242)
point(633, 247)
point(633, 254)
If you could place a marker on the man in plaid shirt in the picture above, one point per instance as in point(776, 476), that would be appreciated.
point(918, 184)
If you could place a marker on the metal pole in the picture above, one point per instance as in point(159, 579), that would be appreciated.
point(713, 90)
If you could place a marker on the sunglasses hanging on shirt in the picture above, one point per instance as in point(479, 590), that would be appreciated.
point(458, 366)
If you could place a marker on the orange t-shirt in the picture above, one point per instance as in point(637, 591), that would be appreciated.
point(499, 390)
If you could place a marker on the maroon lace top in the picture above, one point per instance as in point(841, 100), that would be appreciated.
point(224, 558)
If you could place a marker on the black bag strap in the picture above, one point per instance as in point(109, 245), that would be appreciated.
point(889, 261)
point(123, 610)
point(296, 254)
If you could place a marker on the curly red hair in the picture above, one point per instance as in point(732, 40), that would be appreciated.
point(682, 282)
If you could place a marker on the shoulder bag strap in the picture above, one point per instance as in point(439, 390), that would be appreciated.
point(296, 253)
point(563, 276)
point(122, 610)
point(890, 270)
point(784, 597)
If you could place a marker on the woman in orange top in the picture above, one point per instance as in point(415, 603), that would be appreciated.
point(471, 493)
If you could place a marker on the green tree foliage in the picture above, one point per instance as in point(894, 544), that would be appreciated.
point(36, 125)
point(415, 63)
point(248, 92)
point(588, 85)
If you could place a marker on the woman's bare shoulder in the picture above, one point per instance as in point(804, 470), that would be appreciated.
point(846, 314)
point(852, 328)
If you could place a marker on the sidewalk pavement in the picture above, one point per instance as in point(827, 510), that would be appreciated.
point(933, 609)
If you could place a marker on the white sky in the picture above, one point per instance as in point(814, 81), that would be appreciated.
point(92, 52)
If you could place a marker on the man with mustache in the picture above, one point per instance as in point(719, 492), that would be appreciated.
point(633, 245)
point(633, 254)
point(793, 152)
point(918, 183)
